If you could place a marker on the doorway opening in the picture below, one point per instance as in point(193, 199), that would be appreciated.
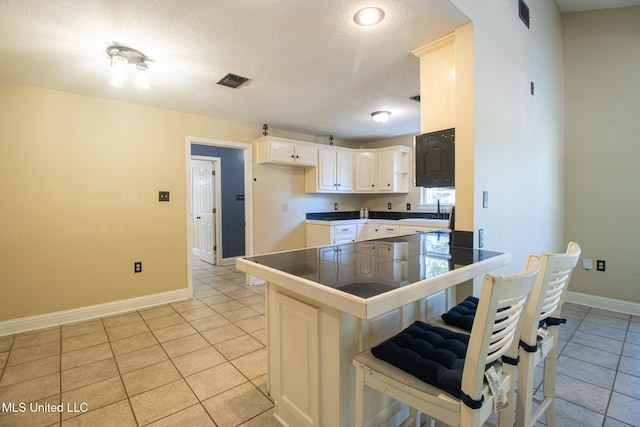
point(235, 233)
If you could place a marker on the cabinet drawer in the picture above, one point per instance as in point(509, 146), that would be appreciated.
point(388, 230)
point(342, 230)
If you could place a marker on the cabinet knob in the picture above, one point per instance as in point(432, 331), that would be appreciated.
point(373, 185)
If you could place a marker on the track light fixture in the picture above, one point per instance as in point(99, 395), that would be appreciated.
point(121, 57)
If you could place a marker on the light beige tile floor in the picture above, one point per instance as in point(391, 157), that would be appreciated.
point(202, 362)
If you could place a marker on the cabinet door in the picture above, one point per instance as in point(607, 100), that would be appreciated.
point(294, 359)
point(344, 171)
point(365, 172)
point(327, 169)
point(372, 231)
point(281, 152)
point(305, 155)
point(385, 171)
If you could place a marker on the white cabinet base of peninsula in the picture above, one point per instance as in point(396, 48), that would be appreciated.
point(312, 345)
point(295, 348)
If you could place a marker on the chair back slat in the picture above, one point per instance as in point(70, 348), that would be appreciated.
point(549, 291)
point(496, 326)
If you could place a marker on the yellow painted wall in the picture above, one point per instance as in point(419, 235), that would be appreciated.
point(79, 179)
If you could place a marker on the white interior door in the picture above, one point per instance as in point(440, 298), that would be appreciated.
point(204, 209)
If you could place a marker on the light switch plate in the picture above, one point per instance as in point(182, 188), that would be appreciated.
point(587, 263)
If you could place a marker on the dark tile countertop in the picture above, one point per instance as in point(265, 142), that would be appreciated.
point(373, 267)
point(336, 216)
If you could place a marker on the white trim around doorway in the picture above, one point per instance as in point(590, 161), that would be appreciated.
point(248, 192)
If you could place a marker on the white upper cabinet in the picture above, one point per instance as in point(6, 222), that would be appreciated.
point(340, 169)
point(283, 151)
point(392, 170)
point(385, 171)
point(365, 172)
point(334, 171)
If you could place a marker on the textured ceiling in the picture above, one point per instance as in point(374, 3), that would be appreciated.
point(584, 5)
point(311, 69)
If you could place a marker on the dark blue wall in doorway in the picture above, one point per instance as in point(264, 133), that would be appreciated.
point(232, 171)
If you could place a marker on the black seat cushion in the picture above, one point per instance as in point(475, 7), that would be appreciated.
point(462, 315)
point(432, 354)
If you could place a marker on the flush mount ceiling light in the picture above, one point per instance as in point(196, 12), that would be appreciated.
point(121, 58)
point(380, 116)
point(368, 16)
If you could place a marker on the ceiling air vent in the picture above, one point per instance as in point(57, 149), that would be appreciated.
point(523, 11)
point(232, 80)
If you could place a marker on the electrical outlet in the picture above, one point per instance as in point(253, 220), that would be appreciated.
point(408, 206)
point(335, 206)
point(137, 267)
point(481, 238)
point(389, 206)
point(163, 196)
point(601, 265)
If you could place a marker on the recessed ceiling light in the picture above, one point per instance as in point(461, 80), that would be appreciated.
point(369, 16)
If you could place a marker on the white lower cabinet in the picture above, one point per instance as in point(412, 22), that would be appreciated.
point(310, 371)
point(386, 230)
point(361, 232)
point(327, 234)
point(294, 365)
point(373, 231)
point(343, 234)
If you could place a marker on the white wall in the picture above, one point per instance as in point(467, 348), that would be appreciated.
point(602, 69)
point(518, 138)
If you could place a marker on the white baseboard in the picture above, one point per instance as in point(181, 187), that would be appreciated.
point(23, 324)
point(230, 260)
point(604, 303)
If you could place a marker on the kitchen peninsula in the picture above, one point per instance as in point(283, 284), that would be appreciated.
point(327, 304)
